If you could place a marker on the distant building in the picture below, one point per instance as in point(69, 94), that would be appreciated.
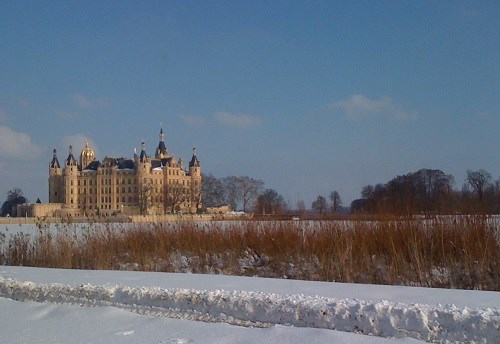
point(141, 185)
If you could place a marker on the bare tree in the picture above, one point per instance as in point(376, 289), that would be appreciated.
point(196, 195)
point(319, 205)
point(479, 180)
point(336, 201)
point(175, 194)
point(232, 192)
point(144, 195)
point(270, 202)
point(249, 189)
point(367, 191)
point(212, 190)
point(432, 187)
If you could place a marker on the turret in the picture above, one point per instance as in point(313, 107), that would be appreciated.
point(194, 165)
point(161, 150)
point(55, 180)
point(70, 180)
point(143, 162)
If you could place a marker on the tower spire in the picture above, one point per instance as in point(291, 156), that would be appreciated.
point(194, 160)
point(143, 156)
point(161, 151)
point(54, 163)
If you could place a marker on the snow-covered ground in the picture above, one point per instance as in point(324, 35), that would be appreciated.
point(74, 306)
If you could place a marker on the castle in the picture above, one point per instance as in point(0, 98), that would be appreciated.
point(142, 185)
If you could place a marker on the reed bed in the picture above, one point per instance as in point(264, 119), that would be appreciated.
point(453, 252)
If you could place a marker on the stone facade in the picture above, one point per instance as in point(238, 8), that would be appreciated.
point(142, 185)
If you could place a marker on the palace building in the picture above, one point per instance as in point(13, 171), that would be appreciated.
point(142, 185)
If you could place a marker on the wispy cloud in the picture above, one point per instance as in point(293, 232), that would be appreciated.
point(192, 120)
point(17, 146)
point(88, 102)
point(237, 120)
point(78, 142)
point(359, 107)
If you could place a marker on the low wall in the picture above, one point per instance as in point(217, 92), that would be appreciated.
point(118, 219)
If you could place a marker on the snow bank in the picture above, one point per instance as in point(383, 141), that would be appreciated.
point(385, 319)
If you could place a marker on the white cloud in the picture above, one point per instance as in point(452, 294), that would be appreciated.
point(360, 107)
point(88, 102)
point(78, 142)
point(237, 120)
point(192, 120)
point(17, 146)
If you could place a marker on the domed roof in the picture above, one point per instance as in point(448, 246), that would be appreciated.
point(87, 152)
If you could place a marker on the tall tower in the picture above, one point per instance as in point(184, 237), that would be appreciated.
point(55, 180)
point(195, 173)
point(70, 180)
point(143, 181)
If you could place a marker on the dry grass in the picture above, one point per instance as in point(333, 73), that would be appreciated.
point(453, 252)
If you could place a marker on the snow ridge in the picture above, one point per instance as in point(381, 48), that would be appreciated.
point(442, 324)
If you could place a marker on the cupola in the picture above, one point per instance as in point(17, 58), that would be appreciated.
point(86, 156)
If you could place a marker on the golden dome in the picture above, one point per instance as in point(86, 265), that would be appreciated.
point(86, 156)
point(87, 152)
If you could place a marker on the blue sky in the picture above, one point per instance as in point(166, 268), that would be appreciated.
point(308, 96)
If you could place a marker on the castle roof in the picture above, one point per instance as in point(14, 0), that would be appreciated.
point(161, 150)
point(93, 166)
point(194, 160)
point(55, 163)
point(120, 163)
point(143, 156)
point(71, 159)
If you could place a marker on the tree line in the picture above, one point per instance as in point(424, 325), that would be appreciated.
point(243, 192)
point(426, 191)
point(430, 191)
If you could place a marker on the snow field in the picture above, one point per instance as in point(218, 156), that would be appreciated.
point(442, 324)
